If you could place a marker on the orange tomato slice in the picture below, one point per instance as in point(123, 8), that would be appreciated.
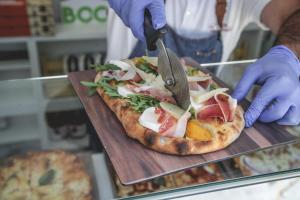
point(197, 132)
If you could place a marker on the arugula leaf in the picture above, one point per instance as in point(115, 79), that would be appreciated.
point(141, 102)
point(92, 91)
point(102, 83)
point(143, 65)
point(191, 71)
point(138, 102)
point(91, 85)
point(193, 112)
point(105, 67)
point(108, 89)
point(212, 86)
point(146, 68)
point(88, 84)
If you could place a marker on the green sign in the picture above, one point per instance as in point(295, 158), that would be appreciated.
point(84, 14)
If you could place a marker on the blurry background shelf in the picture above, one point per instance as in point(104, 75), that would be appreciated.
point(14, 65)
point(16, 100)
point(20, 129)
point(68, 144)
point(15, 108)
point(62, 104)
point(63, 32)
point(15, 74)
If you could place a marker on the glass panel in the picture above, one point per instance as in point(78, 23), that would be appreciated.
point(45, 114)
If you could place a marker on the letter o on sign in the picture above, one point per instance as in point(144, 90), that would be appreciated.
point(101, 13)
point(85, 14)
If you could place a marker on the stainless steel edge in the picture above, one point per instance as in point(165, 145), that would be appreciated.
point(218, 186)
point(227, 63)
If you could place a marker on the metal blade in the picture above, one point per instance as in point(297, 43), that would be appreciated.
point(181, 88)
point(173, 74)
point(163, 64)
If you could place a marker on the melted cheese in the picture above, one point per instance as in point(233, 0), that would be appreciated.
point(148, 78)
point(160, 84)
point(123, 65)
point(198, 78)
point(200, 98)
point(124, 91)
point(151, 60)
point(149, 119)
point(196, 106)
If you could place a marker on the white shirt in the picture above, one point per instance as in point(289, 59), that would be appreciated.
point(190, 18)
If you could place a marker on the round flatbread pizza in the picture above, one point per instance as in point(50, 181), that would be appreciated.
point(135, 92)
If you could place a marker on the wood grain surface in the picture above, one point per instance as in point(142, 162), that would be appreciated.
point(135, 163)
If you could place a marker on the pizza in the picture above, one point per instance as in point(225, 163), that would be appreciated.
point(270, 160)
point(54, 175)
point(154, 185)
point(135, 92)
point(197, 175)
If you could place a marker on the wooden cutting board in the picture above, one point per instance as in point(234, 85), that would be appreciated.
point(135, 163)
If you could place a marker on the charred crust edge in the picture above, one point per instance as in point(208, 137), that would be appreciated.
point(182, 147)
point(149, 139)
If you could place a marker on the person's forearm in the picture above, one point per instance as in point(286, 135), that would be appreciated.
point(283, 19)
point(277, 11)
point(289, 33)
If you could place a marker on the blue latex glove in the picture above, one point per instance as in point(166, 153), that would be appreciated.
point(132, 14)
point(279, 97)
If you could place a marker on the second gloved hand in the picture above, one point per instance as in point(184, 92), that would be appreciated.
point(279, 97)
point(132, 14)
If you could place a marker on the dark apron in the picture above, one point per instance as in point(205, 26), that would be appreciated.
point(205, 50)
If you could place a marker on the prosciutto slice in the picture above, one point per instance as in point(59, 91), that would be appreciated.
point(126, 73)
point(199, 82)
point(220, 105)
point(167, 121)
point(170, 126)
point(182, 123)
point(120, 75)
point(113, 73)
point(156, 93)
point(163, 122)
point(151, 91)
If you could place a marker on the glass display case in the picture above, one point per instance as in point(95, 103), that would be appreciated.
point(43, 114)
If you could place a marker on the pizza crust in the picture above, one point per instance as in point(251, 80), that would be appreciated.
point(223, 134)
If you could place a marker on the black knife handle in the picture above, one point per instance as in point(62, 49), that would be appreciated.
point(151, 34)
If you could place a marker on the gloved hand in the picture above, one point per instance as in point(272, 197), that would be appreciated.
point(132, 14)
point(279, 97)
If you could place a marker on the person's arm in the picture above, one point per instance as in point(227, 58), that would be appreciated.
point(278, 71)
point(283, 18)
point(276, 12)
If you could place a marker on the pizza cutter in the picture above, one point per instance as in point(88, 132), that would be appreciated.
point(169, 65)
